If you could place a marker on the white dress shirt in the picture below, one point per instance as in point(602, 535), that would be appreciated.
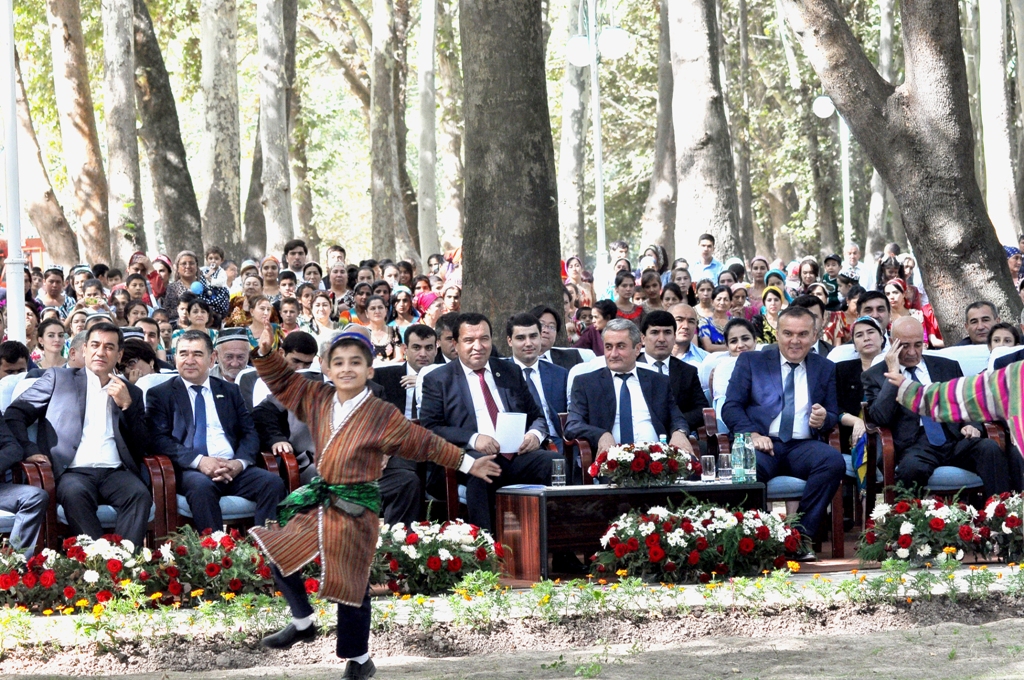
point(98, 448)
point(923, 377)
point(217, 444)
point(483, 418)
point(801, 405)
point(343, 409)
point(643, 426)
point(535, 379)
point(410, 394)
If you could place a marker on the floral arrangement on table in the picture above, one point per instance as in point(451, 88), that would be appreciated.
point(431, 557)
point(921, 531)
point(1001, 527)
point(653, 464)
point(696, 543)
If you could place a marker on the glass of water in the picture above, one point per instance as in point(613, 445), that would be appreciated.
point(707, 468)
point(725, 467)
point(558, 472)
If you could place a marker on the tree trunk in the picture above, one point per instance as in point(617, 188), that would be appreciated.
point(408, 239)
point(511, 192)
point(37, 197)
point(875, 241)
point(782, 204)
point(997, 122)
point(972, 55)
point(451, 202)
point(823, 186)
point(273, 85)
point(573, 150)
point(1018, 39)
point(302, 203)
point(178, 221)
point(706, 185)
point(659, 219)
point(427, 217)
point(81, 141)
point(127, 234)
point(221, 212)
point(920, 139)
point(741, 146)
point(254, 241)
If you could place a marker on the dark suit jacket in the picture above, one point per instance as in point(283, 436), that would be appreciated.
point(171, 426)
point(389, 378)
point(849, 387)
point(1007, 359)
point(566, 357)
point(685, 383)
point(57, 401)
point(448, 404)
point(554, 379)
point(593, 409)
point(755, 396)
point(11, 452)
point(276, 424)
point(906, 425)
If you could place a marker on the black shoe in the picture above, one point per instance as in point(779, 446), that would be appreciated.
point(288, 636)
point(805, 555)
point(358, 671)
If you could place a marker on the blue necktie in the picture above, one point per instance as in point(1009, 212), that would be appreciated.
point(199, 438)
point(625, 411)
point(536, 395)
point(932, 430)
point(788, 404)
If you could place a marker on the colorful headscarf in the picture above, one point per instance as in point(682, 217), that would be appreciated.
point(1011, 251)
point(772, 289)
point(422, 301)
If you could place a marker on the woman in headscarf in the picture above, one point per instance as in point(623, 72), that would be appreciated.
point(1013, 259)
point(270, 267)
point(758, 269)
point(189, 278)
point(574, 270)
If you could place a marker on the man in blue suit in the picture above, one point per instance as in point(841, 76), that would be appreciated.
point(203, 426)
point(461, 403)
point(545, 380)
point(785, 397)
point(620, 404)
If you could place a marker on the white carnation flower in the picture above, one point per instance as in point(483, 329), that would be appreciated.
point(90, 576)
point(902, 553)
point(167, 552)
point(880, 511)
point(647, 528)
point(659, 511)
point(129, 547)
point(924, 551)
point(906, 528)
point(959, 554)
point(411, 551)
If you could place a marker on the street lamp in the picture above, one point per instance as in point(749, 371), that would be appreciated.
point(824, 108)
point(587, 49)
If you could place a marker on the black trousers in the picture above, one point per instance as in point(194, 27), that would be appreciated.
point(981, 456)
point(82, 490)
point(263, 488)
point(353, 622)
point(528, 468)
point(401, 494)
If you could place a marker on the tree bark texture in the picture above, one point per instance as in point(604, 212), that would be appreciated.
point(276, 200)
point(997, 121)
point(1018, 39)
point(705, 178)
point(511, 201)
point(178, 220)
point(749, 233)
point(81, 141)
point(657, 226)
point(37, 196)
point(919, 137)
point(298, 135)
point(823, 184)
point(254, 240)
point(221, 210)
point(127, 234)
point(427, 217)
point(876, 234)
point(573, 150)
point(409, 239)
point(971, 27)
point(451, 188)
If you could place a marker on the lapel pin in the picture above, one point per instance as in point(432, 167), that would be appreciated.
point(219, 396)
point(497, 375)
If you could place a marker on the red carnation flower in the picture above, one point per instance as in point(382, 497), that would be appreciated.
point(779, 562)
point(30, 579)
point(1013, 521)
point(937, 524)
point(75, 552)
point(37, 561)
point(704, 577)
point(172, 572)
point(393, 586)
point(652, 540)
point(499, 550)
point(763, 533)
point(114, 567)
point(901, 507)
point(1000, 510)
point(612, 465)
point(656, 554)
point(746, 545)
point(673, 465)
point(312, 586)
point(69, 593)
point(594, 470)
point(792, 543)
point(738, 515)
point(226, 562)
point(621, 550)
point(412, 539)
point(481, 553)
point(667, 526)
point(985, 532)
point(174, 587)
point(687, 526)
point(208, 543)
point(48, 578)
point(669, 566)
point(601, 457)
point(393, 565)
point(264, 572)
point(869, 538)
point(633, 544)
point(235, 584)
point(701, 544)
point(905, 541)
point(657, 468)
point(104, 596)
point(655, 448)
point(68, 542)
point(113, 538)
point(454, 564)
point(966, 533)
point(638, 464)
point(434, 563)
point(227, 543)
point(5, 582)
point(212, 569)
point(181, 550)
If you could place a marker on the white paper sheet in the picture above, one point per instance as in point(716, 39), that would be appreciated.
point(510, 431)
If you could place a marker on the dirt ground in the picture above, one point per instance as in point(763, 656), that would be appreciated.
point(923, 640)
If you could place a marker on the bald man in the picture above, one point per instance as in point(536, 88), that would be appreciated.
point(921, 443)
point(686, 332)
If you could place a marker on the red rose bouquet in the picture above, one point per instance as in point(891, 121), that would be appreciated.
point(1001, 527)
point(645, 465)
point(920, 531)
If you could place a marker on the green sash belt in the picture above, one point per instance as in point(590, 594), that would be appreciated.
point(319, 492)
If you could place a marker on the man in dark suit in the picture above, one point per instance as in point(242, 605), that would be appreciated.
point(445, 328)
point(621, 404)
point(202, 425)
point(400, 483)
point(550, 327)
point(813, 304)
point(921, 443)
point(785, 397)
point(659, 332)
point(461, 403)
point(92, 429)
point(26, 503)
point(1007, 359)
point(546, 380)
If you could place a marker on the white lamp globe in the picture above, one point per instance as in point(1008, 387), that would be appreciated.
point(577, 51)
point(614, 43)
point(823, 107)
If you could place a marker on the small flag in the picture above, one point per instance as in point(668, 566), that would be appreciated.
point(860, 462)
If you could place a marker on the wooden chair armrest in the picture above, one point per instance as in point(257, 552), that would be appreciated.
point(268, 462)
point(288, 468)
point(710, 422)
point(44, 474)
point(888, 464)
point(996, 432)
point(451, 483)
point(586, 459)
point(165, 497)
point(833, 439)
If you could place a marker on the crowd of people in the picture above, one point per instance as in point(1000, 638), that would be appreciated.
point(209, 362)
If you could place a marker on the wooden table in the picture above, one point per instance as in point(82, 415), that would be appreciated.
point(536, 520)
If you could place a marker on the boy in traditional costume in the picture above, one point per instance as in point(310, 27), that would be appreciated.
point(335, 517)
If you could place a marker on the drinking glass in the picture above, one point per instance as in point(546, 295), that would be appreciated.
point(725, 467)
point(707, 468)
point(558, 472)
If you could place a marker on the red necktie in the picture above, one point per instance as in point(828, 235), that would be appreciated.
point(492, 406)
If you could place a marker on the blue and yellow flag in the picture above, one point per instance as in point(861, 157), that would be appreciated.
point(860, 462)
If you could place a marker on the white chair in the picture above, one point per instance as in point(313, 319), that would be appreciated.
point(973, 359)
point(7, 385)
point(996, 353)
point(146, 382)
point(594, 364)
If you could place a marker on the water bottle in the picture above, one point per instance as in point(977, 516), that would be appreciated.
point(664, 440)
point(739, 459)
point(751, 458)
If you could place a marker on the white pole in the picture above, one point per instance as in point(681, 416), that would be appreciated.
point(844, 150)
point(429, 242)
point(15, 261)
point(595, 98)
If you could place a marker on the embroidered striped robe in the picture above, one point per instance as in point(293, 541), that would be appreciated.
point(354, 454)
